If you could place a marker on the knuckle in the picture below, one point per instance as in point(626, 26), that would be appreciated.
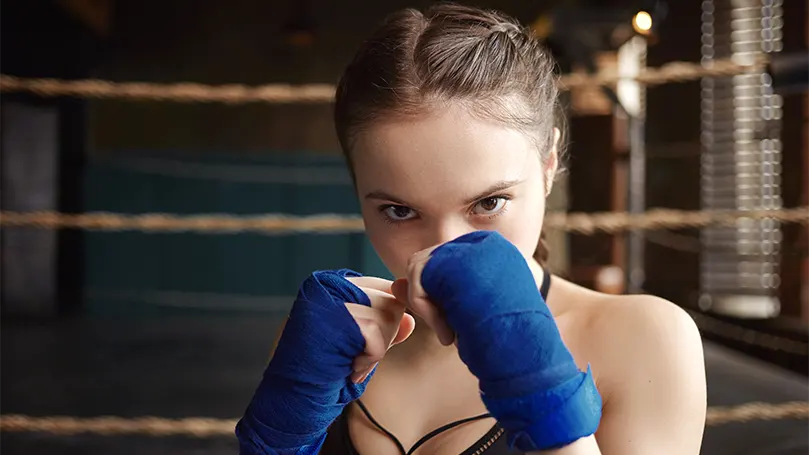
point(371, 325)
point(417, 258)
point(411, 266)
point(367, 326)
point(416, 292)
point(376, 354)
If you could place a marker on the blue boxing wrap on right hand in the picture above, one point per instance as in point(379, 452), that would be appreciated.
point(509, 340)
point(307, 383)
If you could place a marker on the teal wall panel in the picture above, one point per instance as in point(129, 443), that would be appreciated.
point(135, 272)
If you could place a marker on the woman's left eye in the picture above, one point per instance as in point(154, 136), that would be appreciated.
point(490, 206)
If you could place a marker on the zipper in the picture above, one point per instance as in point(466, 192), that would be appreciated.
point(489, 443)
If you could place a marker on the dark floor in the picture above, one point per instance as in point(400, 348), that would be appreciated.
point(209, 366)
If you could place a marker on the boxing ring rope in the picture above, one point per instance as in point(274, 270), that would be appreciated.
point(316, 93)
point(672, 72)
point(206, 427)
point(582, 223)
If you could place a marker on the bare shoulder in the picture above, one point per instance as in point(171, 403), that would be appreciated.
point(638, 318)
point(646, 355)
point(629, 338)
point(633, 328)
point(631, 318)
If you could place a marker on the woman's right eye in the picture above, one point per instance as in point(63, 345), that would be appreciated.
point(397, 213)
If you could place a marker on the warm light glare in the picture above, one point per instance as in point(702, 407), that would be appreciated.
point(642, 22)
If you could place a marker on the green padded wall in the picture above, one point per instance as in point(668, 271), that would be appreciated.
point(147, 272)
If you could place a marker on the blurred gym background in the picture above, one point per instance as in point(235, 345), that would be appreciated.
point(178, 325)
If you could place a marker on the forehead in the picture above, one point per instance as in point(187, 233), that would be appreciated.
point(449, 152)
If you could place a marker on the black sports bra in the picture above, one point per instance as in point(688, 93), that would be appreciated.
point(338, 439)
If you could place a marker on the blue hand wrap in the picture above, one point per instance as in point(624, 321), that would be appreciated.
point(508, 338)
point(307, 383)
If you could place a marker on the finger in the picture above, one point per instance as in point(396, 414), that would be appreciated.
point(384, 301)
point(406, 328)
point(444, 332)
point(375, 344)
point(362, 363)
point(433, 317)
point(386, 319)
point(408, 324)
point(364, 370)
point(416, 295)
point(368, 372)
point(375, 348)
point(360, 376)
point(396, 334)
point(399, 289)
point(420, 304)
point(380, 284)
point(386, 322)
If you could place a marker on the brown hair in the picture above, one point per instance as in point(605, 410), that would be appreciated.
point(419, 62)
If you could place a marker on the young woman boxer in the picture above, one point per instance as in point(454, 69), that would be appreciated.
point(447, 121)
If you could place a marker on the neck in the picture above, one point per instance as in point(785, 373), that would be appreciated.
point(422, 345)
point(539, 273)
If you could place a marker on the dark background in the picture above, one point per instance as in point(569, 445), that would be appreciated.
point(177, 324)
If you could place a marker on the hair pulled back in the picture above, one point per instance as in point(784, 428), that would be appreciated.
point(416, 63)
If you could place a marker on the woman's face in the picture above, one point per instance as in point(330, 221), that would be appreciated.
point(428, 181)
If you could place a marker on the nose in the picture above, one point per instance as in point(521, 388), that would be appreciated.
point(450, 229)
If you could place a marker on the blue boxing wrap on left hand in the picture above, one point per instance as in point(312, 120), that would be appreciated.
point(307, 383)
point(508, 338)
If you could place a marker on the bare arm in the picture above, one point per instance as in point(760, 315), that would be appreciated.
point(657, 398)
point(584, 446)
point(654, 387)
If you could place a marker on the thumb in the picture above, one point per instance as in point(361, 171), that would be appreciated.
point(407, 324)
point(399, 290)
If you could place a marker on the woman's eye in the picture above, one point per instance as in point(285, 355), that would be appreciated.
point(398, 212)
point(489, 206)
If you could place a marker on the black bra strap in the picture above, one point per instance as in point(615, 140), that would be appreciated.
point(427, 437)
point(546, 286)
point(381, 428)
point(543, 290)
point(444, 428)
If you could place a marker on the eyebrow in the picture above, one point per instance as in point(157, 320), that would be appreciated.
point(498, 186)
point(381, 195)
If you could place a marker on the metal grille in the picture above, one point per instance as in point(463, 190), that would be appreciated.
point(741, 159)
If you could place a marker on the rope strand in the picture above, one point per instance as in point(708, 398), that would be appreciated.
point(582, 223)
point(187, 92)
point(201, 427)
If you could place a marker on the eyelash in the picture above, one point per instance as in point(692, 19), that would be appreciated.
point(391, 221)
